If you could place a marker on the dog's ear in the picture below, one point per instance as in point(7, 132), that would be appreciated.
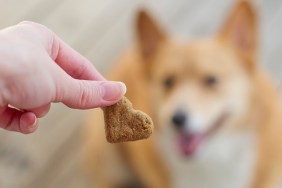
point(240, 31)
point(149, 34)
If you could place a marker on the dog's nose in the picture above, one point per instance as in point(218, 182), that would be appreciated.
point(179, 118)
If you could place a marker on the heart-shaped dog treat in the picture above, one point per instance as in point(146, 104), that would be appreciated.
point(123, 123)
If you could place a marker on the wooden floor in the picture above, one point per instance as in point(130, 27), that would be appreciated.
point(100, 30)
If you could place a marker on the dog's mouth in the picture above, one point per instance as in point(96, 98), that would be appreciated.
point(189, 143)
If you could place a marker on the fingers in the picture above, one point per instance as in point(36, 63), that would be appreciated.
point(19, 121)
point(41, 111)
point(72, 62)
point(67, 58)
point(28, 123)
point(83, 94)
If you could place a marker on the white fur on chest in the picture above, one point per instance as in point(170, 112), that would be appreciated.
point(223, 161)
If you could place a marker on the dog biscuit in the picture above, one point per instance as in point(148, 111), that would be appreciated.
point(123, 123)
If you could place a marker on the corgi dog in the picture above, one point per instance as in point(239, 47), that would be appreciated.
point(218, 121)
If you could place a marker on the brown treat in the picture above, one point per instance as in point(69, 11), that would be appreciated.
point(123, 123)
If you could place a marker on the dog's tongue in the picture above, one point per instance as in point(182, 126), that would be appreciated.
point(190, 143)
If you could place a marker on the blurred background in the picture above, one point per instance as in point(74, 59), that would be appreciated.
point(101, 30)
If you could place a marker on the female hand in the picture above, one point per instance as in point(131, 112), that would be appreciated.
point(38, 68)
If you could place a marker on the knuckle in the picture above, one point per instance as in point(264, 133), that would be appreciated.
point(26, 22)
point(84, 94)
point(79, 72)
point(88, 96)
point(31, 23)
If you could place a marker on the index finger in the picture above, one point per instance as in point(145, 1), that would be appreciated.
point(74, 63)
point(15, 120)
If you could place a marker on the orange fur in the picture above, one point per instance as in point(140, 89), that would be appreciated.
point(231, 56)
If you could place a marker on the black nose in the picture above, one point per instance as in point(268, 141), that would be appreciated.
point(179, 118)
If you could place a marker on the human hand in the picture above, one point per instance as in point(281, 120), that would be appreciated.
point(38, 68)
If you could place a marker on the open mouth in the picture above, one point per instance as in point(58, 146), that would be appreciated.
point(189, 143)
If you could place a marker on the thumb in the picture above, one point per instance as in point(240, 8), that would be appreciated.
point(85, 94)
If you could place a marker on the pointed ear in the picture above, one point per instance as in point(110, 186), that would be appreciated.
point(149, 34)
point(240, 30)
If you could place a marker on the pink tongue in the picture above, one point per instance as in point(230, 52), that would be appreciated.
point(190, 143)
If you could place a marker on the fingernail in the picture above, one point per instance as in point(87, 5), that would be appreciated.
point(34, 123)
point(111, 91)
point(29, 123)
point(124, 89)
point(32, 127)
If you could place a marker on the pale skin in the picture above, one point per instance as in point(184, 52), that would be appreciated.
point(37, 68)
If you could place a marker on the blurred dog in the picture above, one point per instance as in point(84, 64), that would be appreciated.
point(217, 115)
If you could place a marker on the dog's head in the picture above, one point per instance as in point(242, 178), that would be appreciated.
point(204, 86)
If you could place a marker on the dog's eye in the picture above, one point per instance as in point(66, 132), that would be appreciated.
point(169, 82)
point(210, 80)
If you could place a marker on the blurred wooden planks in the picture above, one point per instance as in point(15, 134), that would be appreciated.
point(101, 30)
